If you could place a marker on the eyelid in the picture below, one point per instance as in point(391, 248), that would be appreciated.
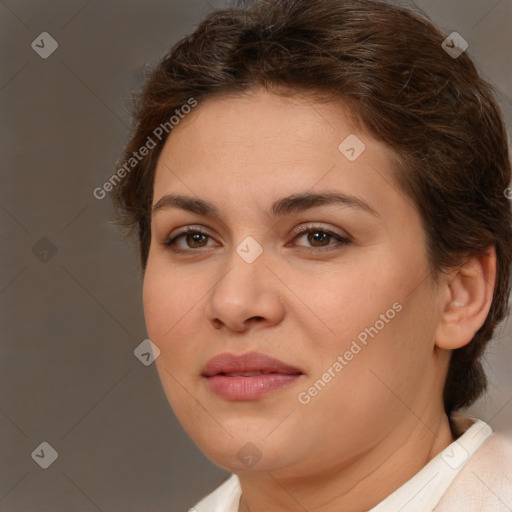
point(304, 228)
point(187, 229)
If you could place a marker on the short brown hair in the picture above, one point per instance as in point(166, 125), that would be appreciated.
point(388, 65)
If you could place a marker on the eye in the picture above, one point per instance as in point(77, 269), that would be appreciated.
point(319, 238)
point(193, 238)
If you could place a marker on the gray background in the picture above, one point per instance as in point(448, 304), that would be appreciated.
point(70, 321)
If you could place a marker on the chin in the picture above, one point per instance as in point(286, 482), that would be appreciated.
point(247, 458)
point(247, 452)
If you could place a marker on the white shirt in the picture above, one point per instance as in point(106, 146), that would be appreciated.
point(435, 486)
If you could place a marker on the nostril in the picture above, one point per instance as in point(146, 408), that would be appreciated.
point(216, 323)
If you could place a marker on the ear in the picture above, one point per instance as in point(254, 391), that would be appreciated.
point(467, 294)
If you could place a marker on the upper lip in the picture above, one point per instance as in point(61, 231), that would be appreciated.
point(249, 362)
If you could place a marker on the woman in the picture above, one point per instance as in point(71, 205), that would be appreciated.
point(326, 245)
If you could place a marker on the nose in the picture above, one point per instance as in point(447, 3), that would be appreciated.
point(246, 296)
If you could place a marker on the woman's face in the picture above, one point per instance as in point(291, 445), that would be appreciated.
point(352, 322)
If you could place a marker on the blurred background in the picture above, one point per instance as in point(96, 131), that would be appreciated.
point(70, 290)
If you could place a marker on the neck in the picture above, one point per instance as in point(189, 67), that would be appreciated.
point(355, 485)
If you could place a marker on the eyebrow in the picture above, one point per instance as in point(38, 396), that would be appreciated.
point(287, 205)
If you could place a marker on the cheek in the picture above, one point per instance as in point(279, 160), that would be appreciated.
point(374, 389)
point(379, 328)
point(168, 310)
point(397, 356)
point(350, 300)
point(169, 303)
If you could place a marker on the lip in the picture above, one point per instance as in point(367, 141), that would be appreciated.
point(275, 374)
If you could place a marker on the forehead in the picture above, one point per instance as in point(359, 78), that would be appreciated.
point(260, 144)
point(259, 118)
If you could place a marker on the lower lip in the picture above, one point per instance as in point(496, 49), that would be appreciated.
point(248, 388)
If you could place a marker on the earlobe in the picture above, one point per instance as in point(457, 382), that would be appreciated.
point(467, 299)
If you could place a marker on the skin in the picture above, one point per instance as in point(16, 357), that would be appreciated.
point(381, 419)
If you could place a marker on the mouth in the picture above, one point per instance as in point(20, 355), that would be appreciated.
point(245, 374)
point(247, 365)
point(248, 376)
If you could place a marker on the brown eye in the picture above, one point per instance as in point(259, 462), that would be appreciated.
point(191, 238)
point(318, 238)
point(195, 240)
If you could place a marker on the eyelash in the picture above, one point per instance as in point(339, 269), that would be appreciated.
point(170, 242)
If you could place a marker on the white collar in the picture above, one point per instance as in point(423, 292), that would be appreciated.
point(424, 490)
